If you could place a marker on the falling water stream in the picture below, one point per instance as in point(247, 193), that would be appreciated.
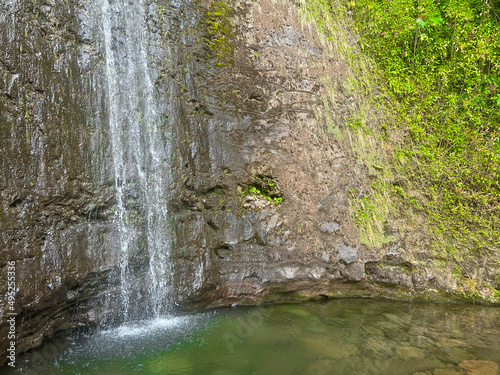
point(139, 149)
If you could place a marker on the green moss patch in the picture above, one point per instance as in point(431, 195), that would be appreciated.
point(220, 33)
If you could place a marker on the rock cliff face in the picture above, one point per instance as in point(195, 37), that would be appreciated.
point(259, 199)
point(53, 187)
point(263, 176)
point(263, 128)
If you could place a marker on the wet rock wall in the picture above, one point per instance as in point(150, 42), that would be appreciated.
point(55, 190)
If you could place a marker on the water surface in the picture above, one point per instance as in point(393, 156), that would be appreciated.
point(348, 336)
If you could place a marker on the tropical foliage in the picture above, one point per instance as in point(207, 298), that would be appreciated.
point(441, 61)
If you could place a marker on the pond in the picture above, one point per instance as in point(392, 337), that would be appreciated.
point(344, 336)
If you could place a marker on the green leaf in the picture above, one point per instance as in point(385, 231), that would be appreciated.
point(421, 22)
point(436, 20)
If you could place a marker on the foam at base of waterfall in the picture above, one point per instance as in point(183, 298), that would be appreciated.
point(135, 339)
point(146, 326)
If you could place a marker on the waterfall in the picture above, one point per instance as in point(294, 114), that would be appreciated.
point(140, 152)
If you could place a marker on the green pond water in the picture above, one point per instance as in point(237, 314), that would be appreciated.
point(347, 336)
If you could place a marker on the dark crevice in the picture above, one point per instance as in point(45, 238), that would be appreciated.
point(212, 225)
point(16, 203)
point(217, 190)
point(256, 97)
point(200, 108)
point(8, 96)
point(223, 251)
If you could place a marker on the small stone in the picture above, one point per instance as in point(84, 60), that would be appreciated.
point(452, 354)
point(355, 271)
point(379, 346)
point(327, 348)
point(347, 254)
point(329, 227)
point(393, 318)
point(416, 331)
point(475, 367)
point(421, 342)
point(431, 334)
point(445, 371)
point(444, 341)
point(388, 327)
point(410, 352)
point(316, 272)
point(372, 331)
point(289, 272)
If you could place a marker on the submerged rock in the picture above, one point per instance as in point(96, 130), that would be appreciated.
point(477, 367)
point(410, 352)
point(422, 342)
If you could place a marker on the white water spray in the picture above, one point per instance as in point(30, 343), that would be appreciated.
point(140, 151)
